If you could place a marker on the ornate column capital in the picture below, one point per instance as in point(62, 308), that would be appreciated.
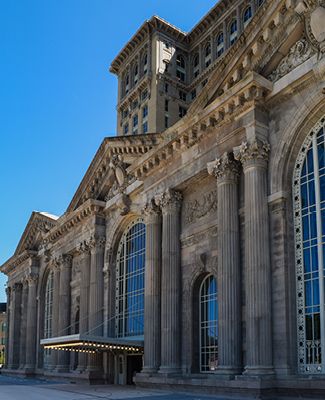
point(170, 200)
point(84, 247)
point(226, 169)
point(251, 154)
point(65, 261)
point(151, 211)
point(17, 286)
point(32, 278)
point(97, 242)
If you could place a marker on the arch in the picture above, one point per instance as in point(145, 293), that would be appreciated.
point(129, 290)
point(233, 31)
point(207, 54)
point(309, 224)
point(247, 15)
point(220, 41)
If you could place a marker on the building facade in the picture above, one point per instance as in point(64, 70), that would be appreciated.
point(3, 331)
point(192, 255)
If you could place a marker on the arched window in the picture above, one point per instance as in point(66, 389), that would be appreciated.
point(233, 32)
point(196, 65)
point(135, 74)
point(145, 63)
point(247, 16)
point(208, 325)
point(48, 314)
point(309, 218)
point(180, 68)
point(130, 281)
point(207, 55)
point(220, 44)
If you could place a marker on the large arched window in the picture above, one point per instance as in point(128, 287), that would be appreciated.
point(309, 217)
point(48, 314)
point(130, 281)
point(208, 325)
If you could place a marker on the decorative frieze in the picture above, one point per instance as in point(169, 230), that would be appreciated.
point(200, 207)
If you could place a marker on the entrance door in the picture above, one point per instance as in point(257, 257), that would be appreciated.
point(134, 365)
point(120, 372)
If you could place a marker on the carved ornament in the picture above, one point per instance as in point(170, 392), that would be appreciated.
point(298, 54)
point(252, 152)
point(118, 177)
point(151, 210)
point(199, 208)
point(224, 168)
point(169, 199)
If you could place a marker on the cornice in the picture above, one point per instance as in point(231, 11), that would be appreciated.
point(16, 260)
point(248, 92)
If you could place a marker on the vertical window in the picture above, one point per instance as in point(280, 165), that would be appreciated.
point(196, 65)
point(208, 325)
point(136, 74)
point(166, 87)
point(193, 94)
point(126, 129)
point(220, 44)
point(135, 124)
point(181, 111)
point(127, 84)
point(180, 68)
point(207, 55)
point(145, 63)
point(309, 218)
point(233, 32)
point(145, 119)
point(182, 95)
point(130, 281)
point(247, 16)
point(166, 121)
point(48, 314)
point(166, 105)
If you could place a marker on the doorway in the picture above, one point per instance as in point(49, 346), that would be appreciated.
point(134, 365)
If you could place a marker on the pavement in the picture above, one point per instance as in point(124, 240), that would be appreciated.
point(14, 388)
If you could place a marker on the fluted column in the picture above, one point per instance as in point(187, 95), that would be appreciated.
point(23, 325)
point(152, 338)
point(96, 298)
point(9, 296)
point(15, 326)
point(226, 170)
point(84, 298)
point(64, 308)
point(56, 311)
point(31, 323)
point(254, 158)
point(170, 203)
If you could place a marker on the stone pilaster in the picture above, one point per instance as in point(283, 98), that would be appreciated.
point(31, 323)
point(23, 326)
point(226, 170)
point(84, 298)
point(96, 299)
point(14, 332)
point(152, 338)
point(64, 308)
point(254, 158)
point(170, 203)
point(56, 311)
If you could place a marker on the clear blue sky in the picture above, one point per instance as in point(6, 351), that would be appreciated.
point(57, 98)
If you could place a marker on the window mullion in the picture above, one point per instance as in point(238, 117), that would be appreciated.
point(319, 247)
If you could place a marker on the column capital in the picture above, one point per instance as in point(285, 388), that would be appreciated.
point(170, 200)
point(151, 211)
point(225, 168)
point(97, 242)
point(255, 153)
point(32, 278)
point(17, 286)
point(84, 247)
point(65, 261)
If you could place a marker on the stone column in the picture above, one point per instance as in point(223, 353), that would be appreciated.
point(226, 170)
point(96, 299)
point(254, 158)
point(23, 326)
point(31, 323)
point(170, 203)
point(84, 299)
point(9, 294)
point(56, 311)
point(14, 332)
point(152, 339)
point(64, 308)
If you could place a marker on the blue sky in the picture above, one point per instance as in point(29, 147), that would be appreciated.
point(57, 98)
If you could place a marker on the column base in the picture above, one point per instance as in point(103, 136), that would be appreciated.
point(227, 372)
point(62, 369)
point(169, 371)
point(259, 372)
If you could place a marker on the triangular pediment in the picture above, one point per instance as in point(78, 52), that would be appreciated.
point(38, 225)
point(108, 172)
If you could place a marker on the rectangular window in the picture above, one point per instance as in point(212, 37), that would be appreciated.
point(204, 82)
point(145, 127)
point(144, 94)
point(181, 111)
point(166, 105)
point(193, 94)
point(145, 112)
point(134, 104)
point(166, 87)
point(182, 95)
point(135, 124)
point(166, 121)
point(180, 75)
point(126, 129)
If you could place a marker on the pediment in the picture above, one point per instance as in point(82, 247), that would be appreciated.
point(108, 173)
point(38, 225)
point(276, 36)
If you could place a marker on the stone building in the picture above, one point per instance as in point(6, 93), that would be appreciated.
point(192, 255)
point(3, 331)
